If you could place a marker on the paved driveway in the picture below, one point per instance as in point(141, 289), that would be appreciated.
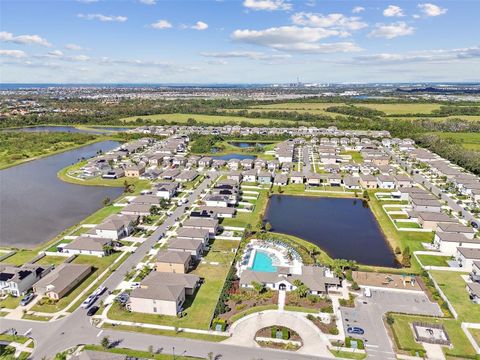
point(369, 312)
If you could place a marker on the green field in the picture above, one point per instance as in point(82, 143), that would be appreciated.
point(209, 119)
point(468, 140)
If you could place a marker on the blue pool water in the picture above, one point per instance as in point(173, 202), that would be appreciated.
point(262, 262)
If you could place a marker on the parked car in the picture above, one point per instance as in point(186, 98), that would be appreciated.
point(135, 285)
point(92, 310)
point(88, 301)
point(27, 299)
point(355, 330)
point(99, 291)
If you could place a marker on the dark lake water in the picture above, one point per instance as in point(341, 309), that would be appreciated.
point(245, 145)
point(344, 228)
point(234, 156)
point(36, 205)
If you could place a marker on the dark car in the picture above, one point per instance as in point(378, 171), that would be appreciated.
point(355, 330)
point(92, 310)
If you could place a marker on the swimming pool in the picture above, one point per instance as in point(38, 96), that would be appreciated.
point(263, 262)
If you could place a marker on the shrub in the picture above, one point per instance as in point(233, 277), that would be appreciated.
point(285, 334)
point(355, 286)
point(333, 331)
point(390, 319)
point(327, 309)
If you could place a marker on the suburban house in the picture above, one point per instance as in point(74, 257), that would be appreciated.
point(85, 245)
point(134, 171)
point(473, 290)
point(432, 205)
point(17, 281)
point(466, 256)
point(115, 227)
point(456, 228)
point(368, 181)
point(193, 247)
point(205, 161)
point(136, 209)
point(447, 243)
point(217, 200)
point(280, 179)
point(116, 173)
point(186, 176)
point(170, 174)
point(173, 261)
point(313, 179)
point(166, 190)
point(62, 280)
point(296, 177)
point(194, 234)
point(217, 211)
point(430, 220)
point(202, 223)
point(264, 178)
point(163, 293)
point(235, 176)
point(402, 181)
point(318, 279)
point(385, 182)
point(250, 175)
point(351, 183)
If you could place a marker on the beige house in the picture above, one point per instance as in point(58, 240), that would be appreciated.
point(62, 280)
point(173, 261)
point(134, 171)
point(163, 293)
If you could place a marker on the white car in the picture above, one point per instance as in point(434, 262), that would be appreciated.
point(88, 301)
point(135, 285)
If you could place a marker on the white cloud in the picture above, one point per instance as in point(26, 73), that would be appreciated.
point(13, 53)
point(74, 47)
point(294, 39)
point(148, 2)
point(161, 24)
point(81, 58)
point(105, 18)
point(267, 5)
point(442, 55)
point(336, 21)
point(429, 9)
point(88, 1)
point(55, 53)
point(393, 11)
point(254, 55)
point(358, 9)
point(390, 31)
point(23, 39)
point(199, 25)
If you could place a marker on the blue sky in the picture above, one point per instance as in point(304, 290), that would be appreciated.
point(245, 41)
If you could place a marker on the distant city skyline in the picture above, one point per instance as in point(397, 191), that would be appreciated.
point(248, 41)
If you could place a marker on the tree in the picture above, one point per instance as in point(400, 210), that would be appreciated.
point(154, 210)
point(108, 249)
point(302, 290)
point(105, 342)
point(390, 319)
point(268, 227)
point(164, 204)
point(106, 201)
point(258, 287)
point(397, 250)
point(406, 257)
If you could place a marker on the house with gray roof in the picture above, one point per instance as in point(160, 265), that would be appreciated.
point(86, 245)
point(18, 280)
point(193, 247)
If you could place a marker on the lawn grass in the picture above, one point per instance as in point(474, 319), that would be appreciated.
point(404, 338)
point(454, 288)
point(476, 334)
point(199, 308)
point(432, 260)
point(10, 302)
point(51, 260)
point(98, 216)
point(242, 219)
point(209, 119)
point(253, 310)
point(36, 317)
point(180, 334)
point(470, 140)
point(136, 354)
point(348, 355)
point(356, 156)
point(99, 265)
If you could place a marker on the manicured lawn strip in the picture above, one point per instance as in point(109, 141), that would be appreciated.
point(454, 288)
point(348, 355)
point(180, 334)
point(476, 334)
point(242, 219)
point(14, 338)
point(99, 264)
point(100, 215)
point(253, 310)
point(199, 308)
point(36, 317)
point(21, 257)
point(432, 260)
point(210, 119)
point(404, 338)
point(300, 309)
point(136, 354)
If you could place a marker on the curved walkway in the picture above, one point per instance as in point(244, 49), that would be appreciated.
point(314, 341)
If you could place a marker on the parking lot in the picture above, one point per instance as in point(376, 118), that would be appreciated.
point(368, 315)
